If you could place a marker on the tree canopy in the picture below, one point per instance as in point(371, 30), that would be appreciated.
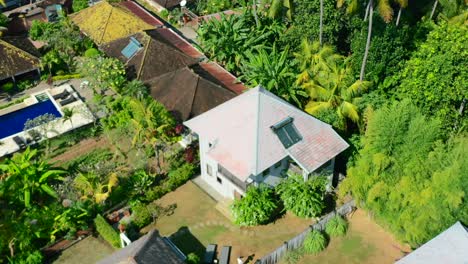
point(407, 176)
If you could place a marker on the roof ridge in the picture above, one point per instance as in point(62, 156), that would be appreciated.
point(196, 88)
point(144, 57)
point(6, 43)
point(107, 23)
point(256, 131)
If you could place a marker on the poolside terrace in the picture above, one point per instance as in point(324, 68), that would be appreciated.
point(62, 97)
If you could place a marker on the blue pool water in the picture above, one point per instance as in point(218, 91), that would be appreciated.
point(13, 122)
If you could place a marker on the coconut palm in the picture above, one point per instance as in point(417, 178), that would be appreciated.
point(332, 87)
point(402, 4)
point(313, 58)
point(434, 7)
point(28, 178)
point(321, 23)
point(385, 11)
point(67, 115)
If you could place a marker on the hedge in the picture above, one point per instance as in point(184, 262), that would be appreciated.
point(107, 231)
point(66, 77)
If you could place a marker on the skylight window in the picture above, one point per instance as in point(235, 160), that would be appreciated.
point(133, 46)
point(287, 132)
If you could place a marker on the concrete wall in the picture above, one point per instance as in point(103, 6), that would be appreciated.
point(216, 180)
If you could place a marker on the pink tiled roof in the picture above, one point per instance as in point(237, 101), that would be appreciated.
point(140, 12)
point(244, 143)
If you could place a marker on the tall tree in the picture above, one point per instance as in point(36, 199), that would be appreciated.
point(385, 11)
point(402, 4)
point(330, 85)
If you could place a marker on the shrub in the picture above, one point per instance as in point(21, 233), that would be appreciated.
point(315, 242)
point(293, 256)
point(144, 214)
point(304, 199)
point(92, 52)
point(107, 231)
point(337, 226)
point(180, 175)
point(66, 77)
point(257, 207)
point(192, 258)
point(8, 87)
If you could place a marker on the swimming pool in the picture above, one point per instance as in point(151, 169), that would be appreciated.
point(13, 122)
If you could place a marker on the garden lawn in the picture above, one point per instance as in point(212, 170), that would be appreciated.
point(196, 223)
point(89, 250)
point(365, 242)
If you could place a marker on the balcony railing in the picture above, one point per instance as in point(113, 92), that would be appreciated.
point(228, 175)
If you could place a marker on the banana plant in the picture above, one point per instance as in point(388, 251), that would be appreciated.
point(28, 178)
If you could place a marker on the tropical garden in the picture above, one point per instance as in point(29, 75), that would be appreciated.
point(389, 76)
point(45, 198)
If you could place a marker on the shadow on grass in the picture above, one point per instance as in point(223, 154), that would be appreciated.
point(187, 242)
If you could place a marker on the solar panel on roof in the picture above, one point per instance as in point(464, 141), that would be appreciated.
point(287, 132)
point(133, 46)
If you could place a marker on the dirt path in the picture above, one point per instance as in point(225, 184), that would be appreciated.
point(83, 147)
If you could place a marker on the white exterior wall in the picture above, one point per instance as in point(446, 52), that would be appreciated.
point(226, 188)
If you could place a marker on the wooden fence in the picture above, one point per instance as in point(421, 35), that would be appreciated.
point(296, 242)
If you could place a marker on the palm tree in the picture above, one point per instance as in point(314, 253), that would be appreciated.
point(273, 70)
point(50, 59)
point(402, 4)
point(434, 9)
point(331, 86)
point(321, 23)
point(385, 11)
point(67, 115)
point(29, 178)
point(2, 2)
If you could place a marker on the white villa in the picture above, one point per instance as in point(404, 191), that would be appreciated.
point(254, 137)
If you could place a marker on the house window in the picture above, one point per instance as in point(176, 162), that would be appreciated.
point(209, 171)
point(218, 179)
point(287, 132)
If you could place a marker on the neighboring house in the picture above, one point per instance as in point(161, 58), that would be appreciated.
point(253, 138)
point(193, 90)
point(449, 247)
point(149, 54)
point(105, 22)
point(19, 59)
point(150, 248)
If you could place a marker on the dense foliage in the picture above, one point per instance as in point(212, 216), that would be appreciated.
point(304, 199)
point(315, 242)
point(411, 180)
point(435, 77)
point(336, 226)
point(257, 206)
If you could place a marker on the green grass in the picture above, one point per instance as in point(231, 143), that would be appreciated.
point(89, 250)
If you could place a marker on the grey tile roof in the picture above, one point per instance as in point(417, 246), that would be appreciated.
point(449, 247)
point(150, 248)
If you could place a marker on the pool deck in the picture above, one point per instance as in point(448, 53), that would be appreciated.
point(82, 116)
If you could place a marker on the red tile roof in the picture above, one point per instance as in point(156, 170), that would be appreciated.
point(226, 78)
point(140, 12)
point(180, 43)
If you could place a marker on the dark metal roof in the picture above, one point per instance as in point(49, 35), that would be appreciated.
point(226, 78)
point(180, 43)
